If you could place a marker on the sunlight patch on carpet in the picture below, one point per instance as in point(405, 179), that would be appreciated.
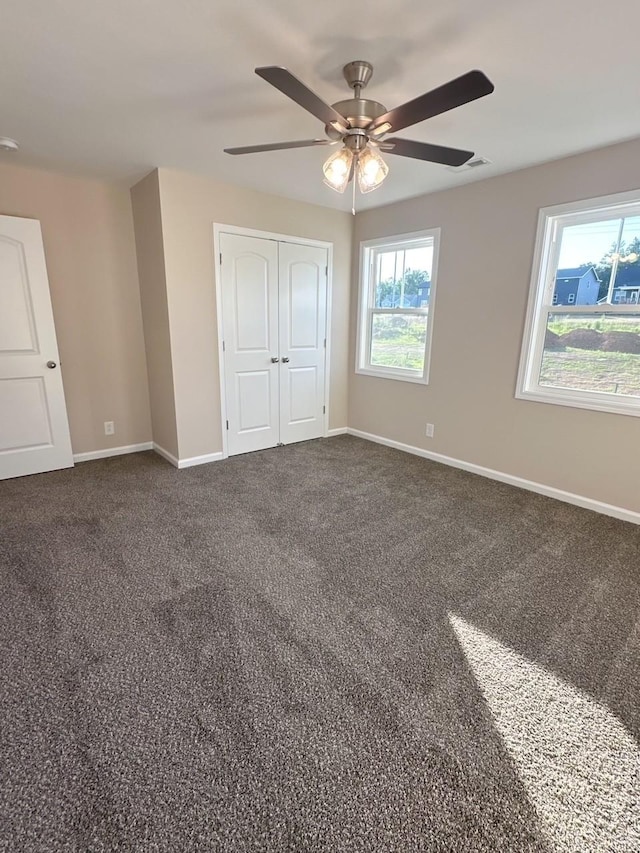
point(579, 765)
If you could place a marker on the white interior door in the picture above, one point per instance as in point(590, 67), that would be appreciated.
point(274, 314)
point(249, 284)
point(34, 430)
point(303, 320)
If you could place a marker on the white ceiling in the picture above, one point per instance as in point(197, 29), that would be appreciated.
point(113, 89)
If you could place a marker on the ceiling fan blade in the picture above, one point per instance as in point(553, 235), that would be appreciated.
point(279, 146)
point(295, 89)
point(425, 151)
point(457, 92)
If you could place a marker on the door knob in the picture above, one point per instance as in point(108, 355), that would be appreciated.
point(274, 359)
point(285, 360)
point(51, 364)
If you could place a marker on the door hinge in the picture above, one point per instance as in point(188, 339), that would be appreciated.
point(324, 410)
point(224, 348)
point(227, 424)
point(326, 271)
point(220, 258)
point(325, 343)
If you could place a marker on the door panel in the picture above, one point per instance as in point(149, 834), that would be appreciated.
point(34, 431)
point(249, 286)
point(304, 306)
point(251, 301)
point(27, 400)
point(17, 323)
point(303, 300)
point(253, 392)
point(303, 394)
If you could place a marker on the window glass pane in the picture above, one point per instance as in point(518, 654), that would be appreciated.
point(584, 265)
point(398, 340)
point(599, 262)
point(403, 277)
point(625, 288)
point(587, 352)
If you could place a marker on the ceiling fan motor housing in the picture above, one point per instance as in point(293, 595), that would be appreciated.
point(359, 112)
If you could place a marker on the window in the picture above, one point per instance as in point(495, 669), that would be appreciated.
point(397, 291)
point(583, 348)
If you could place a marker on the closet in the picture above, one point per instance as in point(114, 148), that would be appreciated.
point(274, 327)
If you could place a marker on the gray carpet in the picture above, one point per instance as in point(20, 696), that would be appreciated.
point(330, 646)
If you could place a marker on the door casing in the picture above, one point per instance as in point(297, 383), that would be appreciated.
point(218, 229)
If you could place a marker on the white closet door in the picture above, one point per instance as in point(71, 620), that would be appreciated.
point(249, 285)
point(34, 430)
point(303, 320)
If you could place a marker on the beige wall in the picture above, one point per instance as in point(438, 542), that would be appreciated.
point(487, 243)
point(190, 206)
point(147, 216)
point(488, 232)
point(88, 241)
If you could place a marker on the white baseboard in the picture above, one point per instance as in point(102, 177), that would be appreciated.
point(165, 454)
point(200, 460)
point(112, 451)
point(190, 461)
point(512, 480)
point(530, 485)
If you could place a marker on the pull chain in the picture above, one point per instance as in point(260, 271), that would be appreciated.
point(353, 200)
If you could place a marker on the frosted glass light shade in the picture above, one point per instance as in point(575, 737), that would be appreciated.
point(371, 170)
point(337, 170)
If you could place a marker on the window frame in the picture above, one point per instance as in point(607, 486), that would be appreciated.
point(367, 309)
point(539, 306)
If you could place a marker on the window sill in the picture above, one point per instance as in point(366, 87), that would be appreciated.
point(582, 401)
point(398, 377)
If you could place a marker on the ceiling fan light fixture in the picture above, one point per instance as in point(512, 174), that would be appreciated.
point(337, 170)
point(371, 170)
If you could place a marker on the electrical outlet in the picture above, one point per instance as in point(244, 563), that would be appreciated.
point(430, 430)
point(109, 428)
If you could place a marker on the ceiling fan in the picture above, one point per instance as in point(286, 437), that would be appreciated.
point(362, 125)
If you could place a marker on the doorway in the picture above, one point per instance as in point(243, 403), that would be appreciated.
point(273, 303)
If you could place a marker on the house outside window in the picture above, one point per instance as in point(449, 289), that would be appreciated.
point(396, 305)
point(582, 338)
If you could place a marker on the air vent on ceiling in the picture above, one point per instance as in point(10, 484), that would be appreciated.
point(474, 163)
point(7, 144)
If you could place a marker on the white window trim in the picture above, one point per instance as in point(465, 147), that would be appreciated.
point(364, 327)
point(545, 258)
